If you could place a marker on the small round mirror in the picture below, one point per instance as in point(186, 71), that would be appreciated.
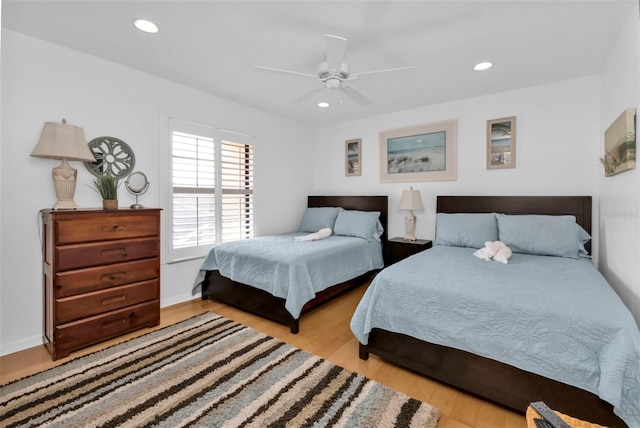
point(137, 184)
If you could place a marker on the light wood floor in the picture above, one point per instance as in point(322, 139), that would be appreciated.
point(324, 332)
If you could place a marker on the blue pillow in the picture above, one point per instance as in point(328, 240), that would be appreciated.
point(360, 224)
point(466, 229)
point(315, 219)
point(545, 235)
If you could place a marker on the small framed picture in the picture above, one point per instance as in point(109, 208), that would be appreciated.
point(620, 144)
point(353, 157)
point(501, 143)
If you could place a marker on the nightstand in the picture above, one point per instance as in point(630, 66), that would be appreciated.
point(400, 249)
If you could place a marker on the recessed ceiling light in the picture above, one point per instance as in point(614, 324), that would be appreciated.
point(483, 66)
point(146, 26)
point(323, 104)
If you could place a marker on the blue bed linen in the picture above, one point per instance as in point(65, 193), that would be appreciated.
point(554, 316)
point(292, 270)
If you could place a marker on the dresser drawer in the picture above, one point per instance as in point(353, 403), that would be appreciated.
point(98, 302)
point(78, 334)
point(73, 230)
point(98, 278)
point(85, 255)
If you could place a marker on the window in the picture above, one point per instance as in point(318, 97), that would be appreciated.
point(212, 189)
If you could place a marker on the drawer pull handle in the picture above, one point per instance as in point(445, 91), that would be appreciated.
point(113, 276)
point(115, 323)
point(115, 299)
point(115, 252)
point(115, 228)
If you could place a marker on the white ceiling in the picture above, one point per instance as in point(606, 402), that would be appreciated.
point(213, 46)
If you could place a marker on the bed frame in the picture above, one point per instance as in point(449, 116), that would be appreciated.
point(487, 378)
point(262, 303)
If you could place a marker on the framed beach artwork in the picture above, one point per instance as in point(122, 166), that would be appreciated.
point(353, 157)
point(501, 143)
point(419, 153)
point(620, 144)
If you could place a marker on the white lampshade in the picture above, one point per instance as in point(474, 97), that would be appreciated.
point(411, 200)
point(63, 141)
point(66, 142)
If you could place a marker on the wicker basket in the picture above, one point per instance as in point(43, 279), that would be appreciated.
point(573, 422)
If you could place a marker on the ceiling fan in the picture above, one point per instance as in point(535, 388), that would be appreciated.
point(334, 73)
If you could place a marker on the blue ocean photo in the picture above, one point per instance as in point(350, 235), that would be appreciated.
point(417, 153)
point(353, 159)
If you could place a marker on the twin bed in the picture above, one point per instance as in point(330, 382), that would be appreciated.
point(281, 278)
point(545, 326)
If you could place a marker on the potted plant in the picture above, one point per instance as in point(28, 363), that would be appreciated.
point(107, 186)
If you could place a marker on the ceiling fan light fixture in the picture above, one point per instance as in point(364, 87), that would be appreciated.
point(484, 65)
point(333, 83)
point(146, 26)
point(323, 104)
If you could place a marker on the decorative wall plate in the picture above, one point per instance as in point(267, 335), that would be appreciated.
point(113, 157)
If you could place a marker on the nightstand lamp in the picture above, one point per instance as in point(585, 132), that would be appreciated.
point(410, 201)
point(66, 142)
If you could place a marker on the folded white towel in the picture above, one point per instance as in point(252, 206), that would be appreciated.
point(321, 234)
point(497, 251)
point(487, 252)
point(504, 254)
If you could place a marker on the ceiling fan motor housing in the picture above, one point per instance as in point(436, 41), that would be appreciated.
point(325, 73)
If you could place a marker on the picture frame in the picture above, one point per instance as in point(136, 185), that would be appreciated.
point(501, 143)
point(353, 157)
point(419, 153)
point(620, 144)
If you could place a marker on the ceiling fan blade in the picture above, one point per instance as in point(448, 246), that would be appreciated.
point(286, 72)
point(388, 70)
point(336, 49)
point(356, 96)
point(309, 94)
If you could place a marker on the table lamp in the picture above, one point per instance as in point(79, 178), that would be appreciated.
point(66, 142)
point(410, 201)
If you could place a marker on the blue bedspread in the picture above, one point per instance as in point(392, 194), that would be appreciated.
point(554, 316)
point(293, 270)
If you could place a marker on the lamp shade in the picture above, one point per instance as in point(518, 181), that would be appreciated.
point(63, 141)
point(411, 200)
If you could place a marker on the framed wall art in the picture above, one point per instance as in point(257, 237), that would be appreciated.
point(353, 157)
point(501, 143)
point(419, 153)
point(620, 144)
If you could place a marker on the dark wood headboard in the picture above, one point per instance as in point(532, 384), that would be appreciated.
point(360, 203)
point(578, 206)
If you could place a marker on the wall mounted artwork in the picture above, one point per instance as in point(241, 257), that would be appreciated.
point(501, 143)
point(419, 153)
point(353, 157)
point(620, 144)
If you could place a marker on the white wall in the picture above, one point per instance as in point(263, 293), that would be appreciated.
point(44, 82)
point(620, 194)
point(557, 149)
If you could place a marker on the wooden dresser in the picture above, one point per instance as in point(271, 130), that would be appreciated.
point(101, 275)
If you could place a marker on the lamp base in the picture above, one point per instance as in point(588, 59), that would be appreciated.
point(410, 227)
point(65, 205)
point(64, 181)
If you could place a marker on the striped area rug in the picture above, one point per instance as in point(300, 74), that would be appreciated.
point(207, 371)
